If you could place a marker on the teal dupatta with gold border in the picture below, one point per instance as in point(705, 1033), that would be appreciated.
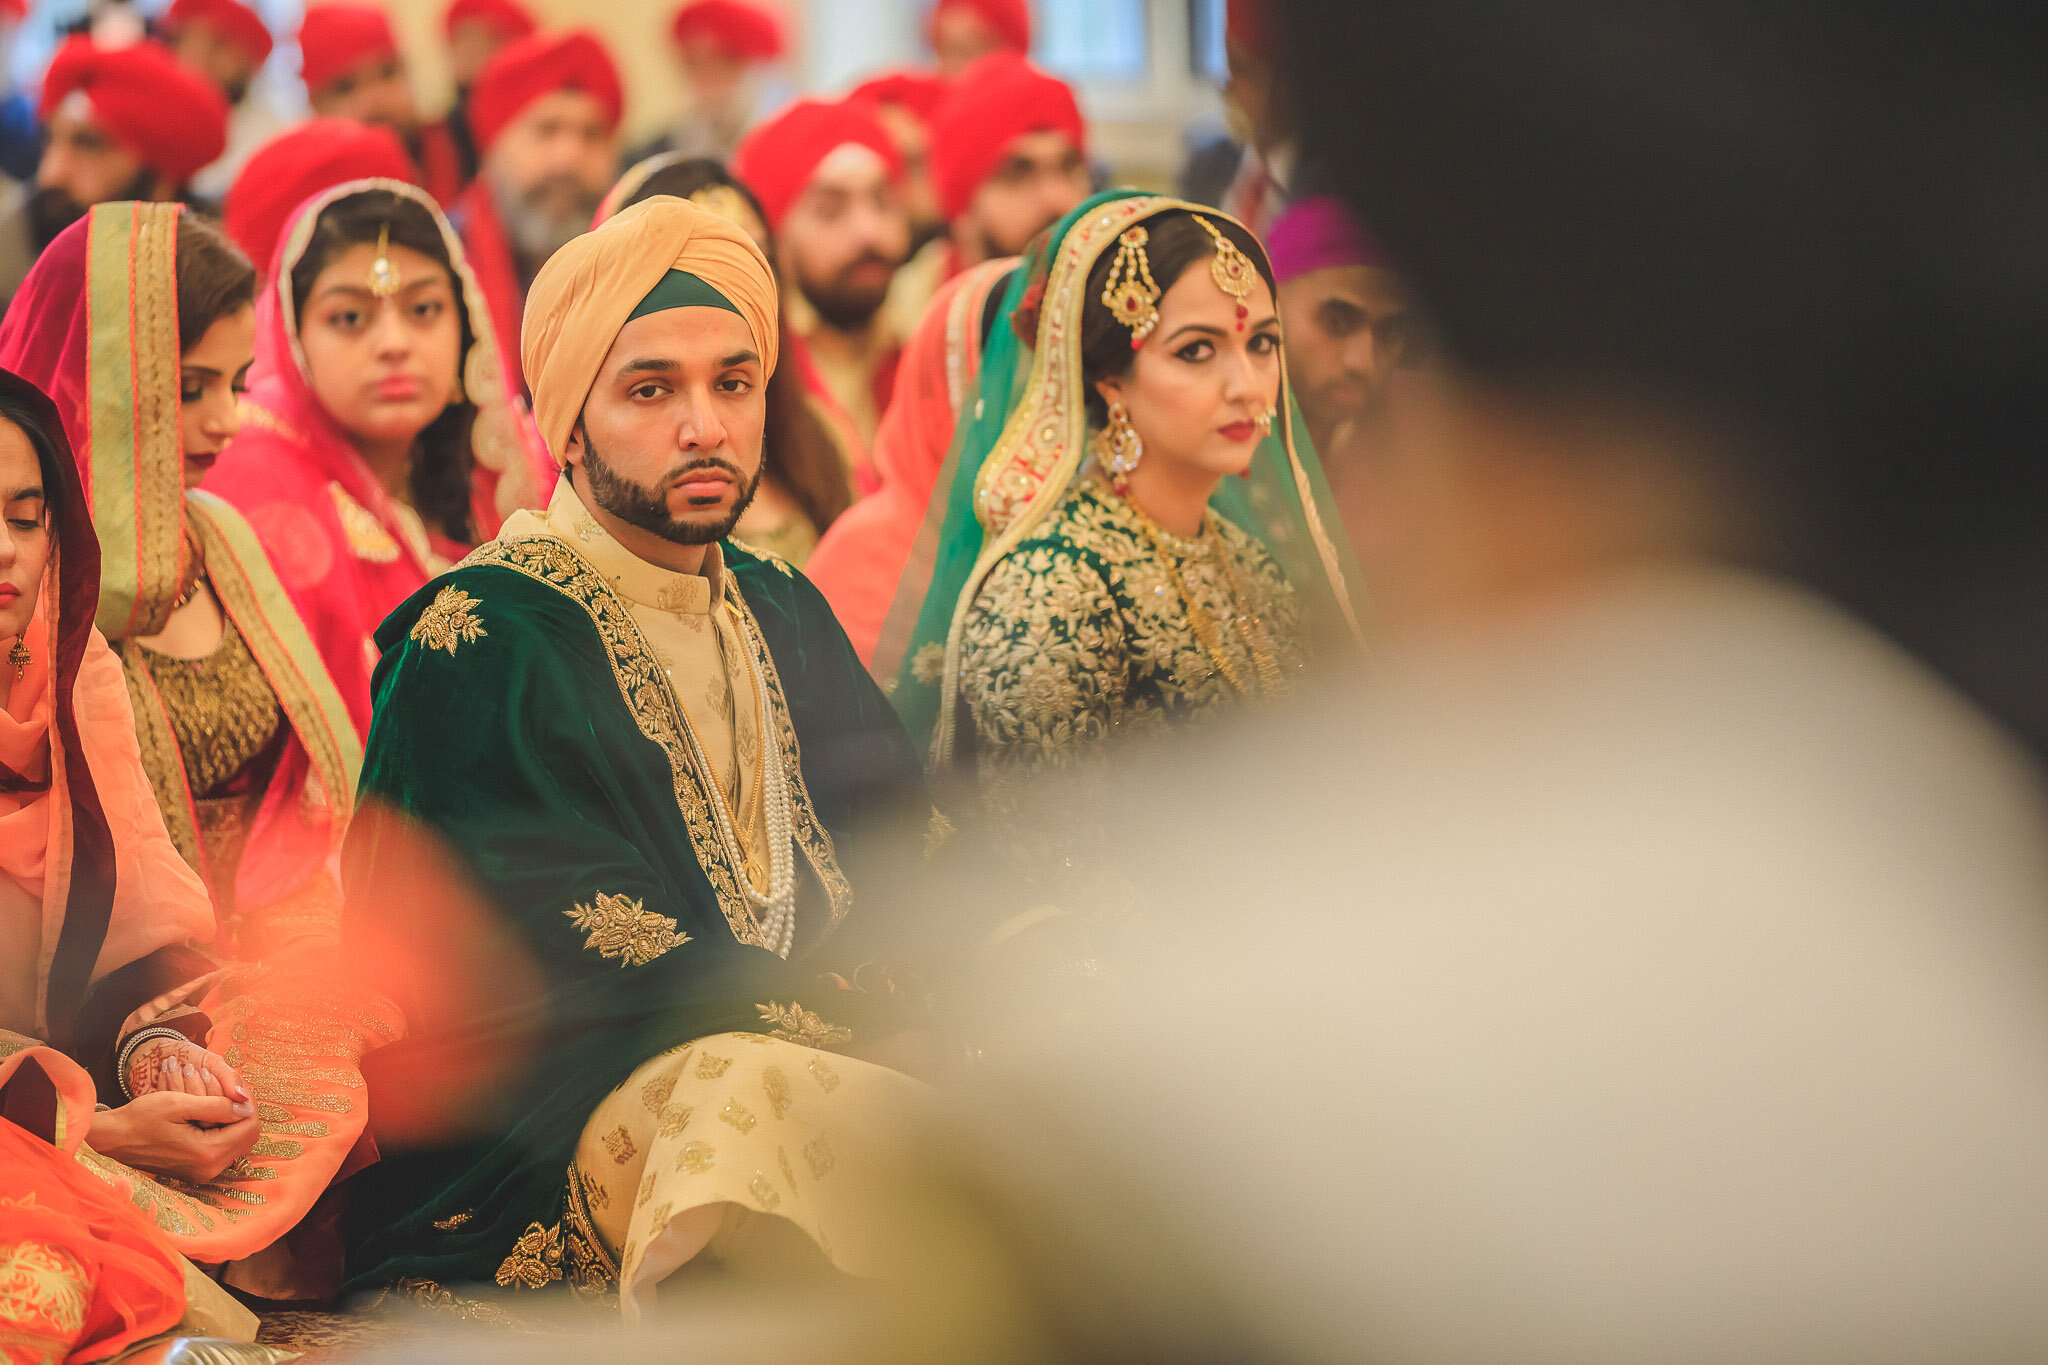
point(524, 724)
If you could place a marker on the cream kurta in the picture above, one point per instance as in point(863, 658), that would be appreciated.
point(690, 628)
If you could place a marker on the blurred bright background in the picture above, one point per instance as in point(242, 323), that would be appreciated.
point(1147, 71)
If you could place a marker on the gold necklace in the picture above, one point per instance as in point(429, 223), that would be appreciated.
point(750, 857)
point(1206, 632)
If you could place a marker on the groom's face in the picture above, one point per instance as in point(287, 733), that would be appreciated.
point(670, 439)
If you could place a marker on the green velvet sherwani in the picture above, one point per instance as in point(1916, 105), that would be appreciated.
point(522, 718)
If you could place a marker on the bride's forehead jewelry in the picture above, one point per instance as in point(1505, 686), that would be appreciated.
point(1129, 293)
point(384, 279)
point(1231, 269)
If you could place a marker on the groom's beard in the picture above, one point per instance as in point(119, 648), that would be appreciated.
point(647, 508)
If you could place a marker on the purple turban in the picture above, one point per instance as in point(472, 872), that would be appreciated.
point(1315, 234)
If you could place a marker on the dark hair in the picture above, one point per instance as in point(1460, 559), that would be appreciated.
point(16, 409)
point(439, 487)
point(215, 280)
point(797, 448)
point(1176, 242)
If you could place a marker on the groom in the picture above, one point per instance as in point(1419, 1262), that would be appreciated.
point(647, 747)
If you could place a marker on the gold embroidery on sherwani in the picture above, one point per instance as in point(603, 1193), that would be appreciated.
point(450, 621)
point(591, 1270)
point(536, 1259)
point(547, 556)
point(453, 1220)
point(623, 928)
point(795, 1024)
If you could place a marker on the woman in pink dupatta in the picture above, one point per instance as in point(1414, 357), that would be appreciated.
point(348, 542)
point(245, 738)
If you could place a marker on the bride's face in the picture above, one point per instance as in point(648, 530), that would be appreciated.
point(1203, 378)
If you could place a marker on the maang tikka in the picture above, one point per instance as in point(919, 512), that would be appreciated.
point(384, 279)
point(1129, 293)
point(1231, 269)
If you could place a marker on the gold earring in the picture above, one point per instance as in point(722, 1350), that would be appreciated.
point(1264, 421)
point(458, 394)
point(384, 279)
point(1118, 447)
point(1231, 269)
point(1129, 293)
point(19, 655)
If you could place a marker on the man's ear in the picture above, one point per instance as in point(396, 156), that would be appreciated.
point(572, 450)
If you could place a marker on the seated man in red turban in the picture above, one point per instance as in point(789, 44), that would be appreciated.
point(1009, 158)
point(293, 167)
point(546, 113)
point(721, 49)
point(830, 180)
point(905, 100)
point(122, 123)
point(226, 42)
point(963, 31)
point(476, 30)
point(353, 69)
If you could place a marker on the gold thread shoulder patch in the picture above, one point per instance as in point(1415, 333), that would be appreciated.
point(450, 621)
point(794, 1024)
point(765, 556)
point(624, 928)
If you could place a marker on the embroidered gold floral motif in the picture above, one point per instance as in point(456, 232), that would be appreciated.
point(590, 1269)
point(818, 1156)
point(826, 1077)
point(43, 1285)
point(710, 1068)
point(449, 622)
point(619, 1143)
point(655, 1093)
point(598, 1195)
point(646, 1192)
point(673, 1121)
point(763, 1192)
point(453, 1220)
point(788, 1171)
point(623, 928)
point(366, 536)
point(794, 1024)
point(928, 665)
point(694, 1158)
point(739, 1116)
point(765, 556)
point(431, 1294)
point(536, 1259)
point(776, 1086)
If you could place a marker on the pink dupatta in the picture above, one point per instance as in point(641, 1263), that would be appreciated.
point(345, 549)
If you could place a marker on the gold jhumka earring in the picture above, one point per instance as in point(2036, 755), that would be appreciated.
point(1129, 293)
point(19, 656)
point(1118, 447)
point(1232, 270)
point(384, 279)
point(1264, 421)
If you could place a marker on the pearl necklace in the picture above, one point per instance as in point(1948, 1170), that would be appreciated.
point(774, 911)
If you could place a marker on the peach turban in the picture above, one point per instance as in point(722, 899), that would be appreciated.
point(588, 289)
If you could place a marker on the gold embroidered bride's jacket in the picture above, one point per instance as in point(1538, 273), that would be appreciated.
point(526, 718)
point(1081, 632)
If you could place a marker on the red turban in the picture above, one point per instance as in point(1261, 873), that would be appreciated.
point(920, 92)
point(335, 39)
point(1011, 20)
point(229, 18)
point(742, 31)
point(294, 166)
point(1249, 24)
point(171, 118)
point(996, 101)
point(17, 10)
point(506, 17)
point(777, 159)
point(521, 72)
